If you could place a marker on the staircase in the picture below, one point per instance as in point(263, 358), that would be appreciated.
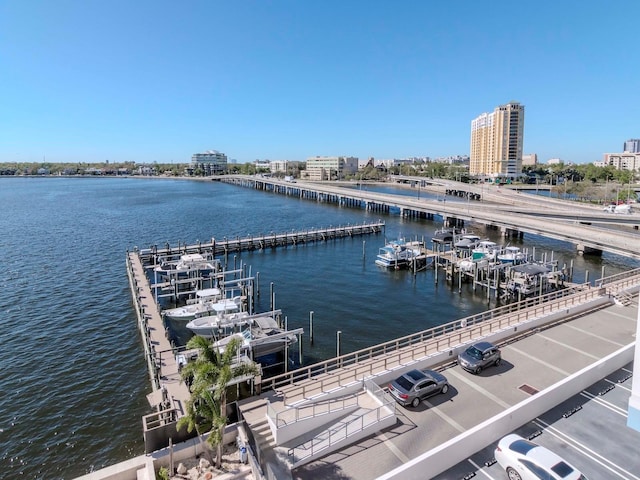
point(289, 436)
point(622, 298)
point(314, 429)
point(271, 459)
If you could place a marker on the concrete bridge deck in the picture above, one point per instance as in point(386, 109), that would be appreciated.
point(571, 221)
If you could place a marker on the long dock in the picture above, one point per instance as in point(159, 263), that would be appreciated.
point(218, 247)
point(169, 393)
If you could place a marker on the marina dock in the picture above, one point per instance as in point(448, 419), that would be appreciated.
point(224, 246)
point(169, 392)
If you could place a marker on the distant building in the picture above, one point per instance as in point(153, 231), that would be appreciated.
point(280, 165)
point(496, 142)
point(623, 161)
point(210, 163)
point(632, 145)
point(452, 159)
point(330, 168)
point(262, 165)
point(554, 161)
point(529, 159)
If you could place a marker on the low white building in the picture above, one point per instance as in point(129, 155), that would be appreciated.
point(210, 162)
point(623, 161)
point(331, 168)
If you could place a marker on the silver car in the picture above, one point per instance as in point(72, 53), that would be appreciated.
point(416, 385)
point(479, 356)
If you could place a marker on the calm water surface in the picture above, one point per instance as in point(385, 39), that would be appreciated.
point(72, 373)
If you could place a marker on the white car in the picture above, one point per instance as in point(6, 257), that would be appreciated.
point(525, 460)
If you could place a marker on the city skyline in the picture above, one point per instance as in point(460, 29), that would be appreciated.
point(153, 81)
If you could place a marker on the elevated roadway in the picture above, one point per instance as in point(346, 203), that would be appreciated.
point(510, 211)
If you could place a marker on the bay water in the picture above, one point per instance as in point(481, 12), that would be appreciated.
point(73, 379)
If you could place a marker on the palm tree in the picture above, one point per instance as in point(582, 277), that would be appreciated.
point(211, 374)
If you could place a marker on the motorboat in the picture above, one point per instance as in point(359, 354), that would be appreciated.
point(262, 337)
point(513, 255)
point(447, 235)
point(188, 264)
point(468, 264)
point(211, 306)
point(220, 325)
point(486, 249)
point(466, 243)
point(398, 254)
point(527, 279)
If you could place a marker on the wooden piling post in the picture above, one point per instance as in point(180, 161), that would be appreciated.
point(311, 326)
point(271, 306)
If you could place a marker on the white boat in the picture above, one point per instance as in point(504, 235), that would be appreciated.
point(466, 243)
point(513, 255)
point(220, 325)
point(188, 263)
point(527, 279)
point(262, 337)
point(203, 308)
point(485, 249)
point(467, 264)
point(447, 235)
point(398, 254)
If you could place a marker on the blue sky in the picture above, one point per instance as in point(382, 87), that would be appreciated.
point(158, 81)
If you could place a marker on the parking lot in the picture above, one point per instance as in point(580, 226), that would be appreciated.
point(595, 438)
point(529, 364)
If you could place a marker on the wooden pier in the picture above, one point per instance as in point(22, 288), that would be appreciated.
point(218, 247)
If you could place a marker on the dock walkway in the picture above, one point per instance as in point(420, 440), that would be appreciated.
point(169, 393)
point(217, 247)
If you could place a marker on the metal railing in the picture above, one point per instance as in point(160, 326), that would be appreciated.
point(343, 430)
point(618, 278)
point(356, 365)
point(159, 419)
point(294, 414)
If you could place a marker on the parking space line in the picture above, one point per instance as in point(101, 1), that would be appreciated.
point(618, 385)
point(391, 446)
point(568, 347)
point(478, 388)
point(591, 334)
point(633, 318)
point(479, 469)
point(587, 452)
point(445, 417)
point(604, 403)
point(536, 359)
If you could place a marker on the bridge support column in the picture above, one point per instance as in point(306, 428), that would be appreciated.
point(584, 250)
point(633, 420)
point(509, 232)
